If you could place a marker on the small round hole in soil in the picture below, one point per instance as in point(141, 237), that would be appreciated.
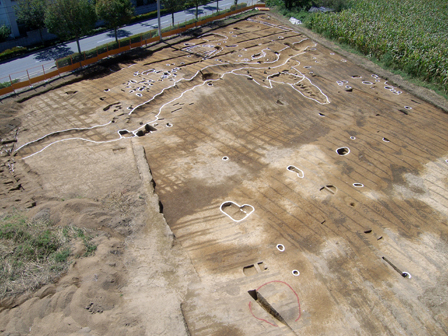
point(352, 204)
point(408, 108)
point(343, 150)
point(169, 125)
point(352, 138)
point(388, 88)
point(321, 115)
point(307, 67)
point(406, 275)
point(367, 231)
point(367, 83)
point(386, 140)
point(106, 90)
point(280, 247)
point(358, 185)
point(295, 273)
point(225, 158)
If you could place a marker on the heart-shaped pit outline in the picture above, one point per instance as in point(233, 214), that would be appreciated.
point(236, 210)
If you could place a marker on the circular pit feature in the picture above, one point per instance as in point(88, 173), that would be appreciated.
point(343, 151)
point(281, 247)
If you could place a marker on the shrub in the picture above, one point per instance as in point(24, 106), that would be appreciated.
point(13, 52)
point(5, 31)
point(238, 6)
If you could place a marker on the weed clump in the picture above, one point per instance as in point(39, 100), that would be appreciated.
point(34, 253)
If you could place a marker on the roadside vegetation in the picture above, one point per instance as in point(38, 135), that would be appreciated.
point(408, 37)
point(34, 253)
point(74, 58)
point(61, 17)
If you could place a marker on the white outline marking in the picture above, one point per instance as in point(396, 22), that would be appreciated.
point(342, 148)
point(303, 174)
point(239, 206)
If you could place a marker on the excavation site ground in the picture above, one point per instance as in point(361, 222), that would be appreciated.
point(244, 181)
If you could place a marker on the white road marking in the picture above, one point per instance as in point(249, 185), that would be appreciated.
point(109, 38)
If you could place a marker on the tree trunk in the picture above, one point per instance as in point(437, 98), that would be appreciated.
point(236, 2)
point(172, 16)
point(116, 35)
point(217, 7)
point(197, 9)
point(79, 50)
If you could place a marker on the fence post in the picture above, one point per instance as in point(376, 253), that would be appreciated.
point(43, 70)
point(12, 85)
point(29, 79)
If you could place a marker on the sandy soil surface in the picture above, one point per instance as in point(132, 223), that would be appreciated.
point(246, 181)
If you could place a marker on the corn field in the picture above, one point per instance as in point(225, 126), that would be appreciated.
point(410, 35)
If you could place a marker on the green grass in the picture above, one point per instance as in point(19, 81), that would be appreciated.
point(33, 253)
point(408, 36)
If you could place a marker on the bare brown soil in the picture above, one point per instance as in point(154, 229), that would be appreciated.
point(248, 181)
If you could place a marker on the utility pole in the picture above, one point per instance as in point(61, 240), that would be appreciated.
point(158, 19)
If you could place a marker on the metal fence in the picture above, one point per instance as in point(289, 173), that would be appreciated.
point(44, 72)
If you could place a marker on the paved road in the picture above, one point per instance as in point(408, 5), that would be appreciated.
point(45, 58)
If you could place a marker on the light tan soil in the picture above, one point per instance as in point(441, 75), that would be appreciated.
point(239, 244)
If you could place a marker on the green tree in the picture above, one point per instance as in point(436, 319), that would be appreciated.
point(173, 6)
point(32, 14)
point(116, 13)
point(67, 18)
point(5, 31)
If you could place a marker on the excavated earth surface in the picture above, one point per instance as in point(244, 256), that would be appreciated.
point(303, 195)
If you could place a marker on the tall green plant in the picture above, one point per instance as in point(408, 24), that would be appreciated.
point(408, 35)
point(32, 14)
point(67, 18)
point(115, 13)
